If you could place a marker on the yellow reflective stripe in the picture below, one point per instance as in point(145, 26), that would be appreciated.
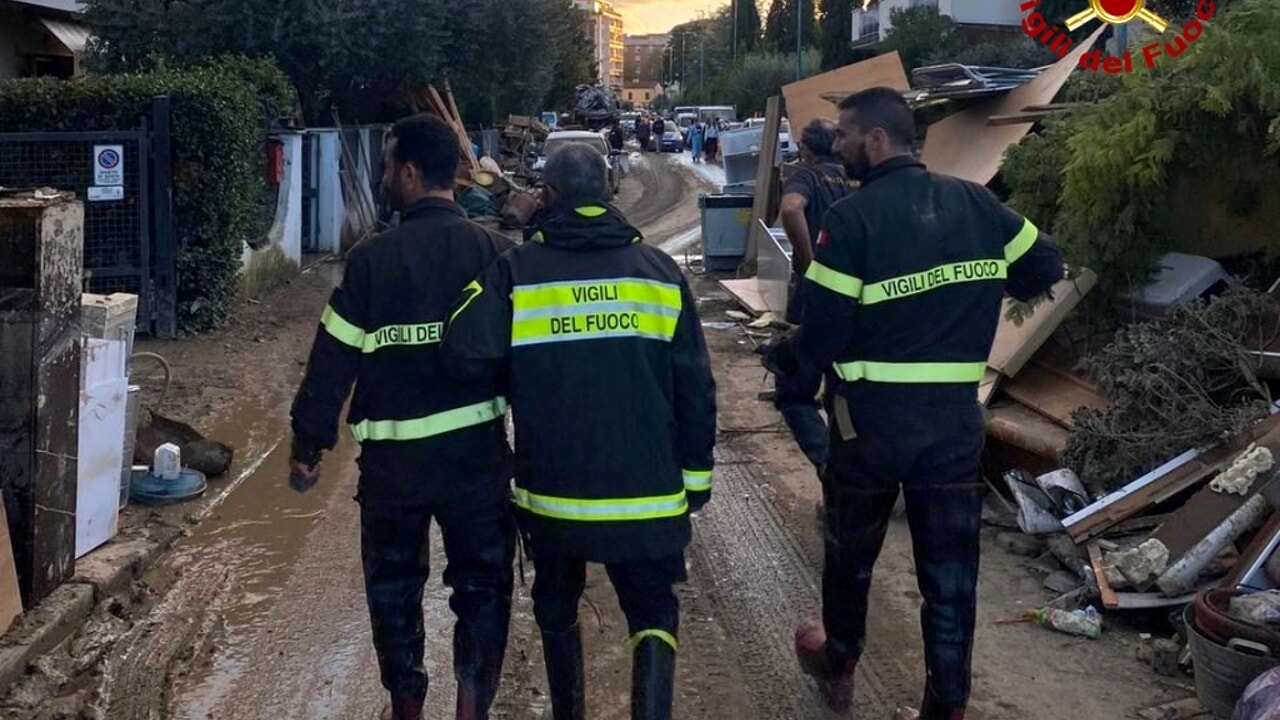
point(341, 330)
point(473, 290)
point(697, 480)
point(537, 237)
point(420, 334)
point(933, 278)
point(906, 372)
point(1022, 242)
point(607, 510)
point(606, 308)
point(591, 211)
point(662, 635)
point(431, 425)
point(834, 280)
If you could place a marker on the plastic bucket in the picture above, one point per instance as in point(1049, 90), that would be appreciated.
point(1222, 673)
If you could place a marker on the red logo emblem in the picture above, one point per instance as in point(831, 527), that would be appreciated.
point(822, 238)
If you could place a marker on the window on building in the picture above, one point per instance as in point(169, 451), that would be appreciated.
point(868, 23)
point(646, 96)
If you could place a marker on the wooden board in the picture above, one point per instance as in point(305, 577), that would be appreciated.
point(766, 177)
point(966, 146)
point(1015, 344)
point(987, 388)
point(747, 293)
point(805, 101)
point(10, 596)
point(1053, 393)
point(1021, 428)
point(1155, 488)
point(1109, 599)
point(1255, 553)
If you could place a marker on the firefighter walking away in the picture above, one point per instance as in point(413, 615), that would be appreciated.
point(430, 447)
point(598, 336)
point(901, 302)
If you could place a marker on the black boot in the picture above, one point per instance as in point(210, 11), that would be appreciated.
point(478, 650)
point(653, 672)
point(562, 654)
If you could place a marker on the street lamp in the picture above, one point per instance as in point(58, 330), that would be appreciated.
point(799, 40)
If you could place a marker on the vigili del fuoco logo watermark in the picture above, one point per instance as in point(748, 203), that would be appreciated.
point(1115, 12)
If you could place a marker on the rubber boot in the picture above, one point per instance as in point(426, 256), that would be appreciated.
point(477, 657)
point(832, 670)
point(933, 708)
point(562, 654)
point(653, 674)
point(403, 708)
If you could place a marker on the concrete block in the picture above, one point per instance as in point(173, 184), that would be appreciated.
point(110, 569)
point(54, 620)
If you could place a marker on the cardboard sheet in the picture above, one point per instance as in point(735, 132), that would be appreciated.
point(1015, 344)
point(805, 101)
point(747, 292)
point(966, 146)
point(1053, 393)
point(10, 599)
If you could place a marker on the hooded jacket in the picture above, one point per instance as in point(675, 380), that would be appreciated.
point(598, 338)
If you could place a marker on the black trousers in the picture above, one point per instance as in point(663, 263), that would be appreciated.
point(645, 591)
point(932, 452)
point(479, 545)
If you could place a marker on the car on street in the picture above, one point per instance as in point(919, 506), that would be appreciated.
point(587, 137)
point(672, 141)
point(788, 148)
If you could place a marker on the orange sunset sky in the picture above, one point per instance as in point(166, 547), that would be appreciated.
point(659, 16)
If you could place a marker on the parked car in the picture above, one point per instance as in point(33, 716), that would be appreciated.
point(785, 145)
point(672, 141)
point(594, 139)
point(684, 121)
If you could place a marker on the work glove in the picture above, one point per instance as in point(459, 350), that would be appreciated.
point(778, 356)
point(304, 466)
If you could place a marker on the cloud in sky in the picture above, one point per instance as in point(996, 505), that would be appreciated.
point(658, 16)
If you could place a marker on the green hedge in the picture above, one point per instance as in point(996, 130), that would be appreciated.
point(220, 114)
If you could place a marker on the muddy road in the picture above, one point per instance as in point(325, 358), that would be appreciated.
point(258, 611)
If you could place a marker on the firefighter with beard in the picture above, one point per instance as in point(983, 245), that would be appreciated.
point(902, 300)
point(431, 447)
point(598, 336)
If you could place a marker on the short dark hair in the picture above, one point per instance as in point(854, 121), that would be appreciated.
point(578, 174)
point(884, 108)
point(429, 143)
point(819, 136)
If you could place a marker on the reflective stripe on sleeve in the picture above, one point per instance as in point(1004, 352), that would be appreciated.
point(341, 329)
point(1022, 242)
point(431, 425)
point(933, 278)
point(891, 372)
point(418, 334)
point(607, 510)
point(697, 480)
point(834, 280)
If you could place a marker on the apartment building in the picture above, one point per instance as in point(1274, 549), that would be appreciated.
point(871, 25)
point(604, 27)
point(644, 57)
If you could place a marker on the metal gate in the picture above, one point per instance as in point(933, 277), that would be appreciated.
point(128, 243)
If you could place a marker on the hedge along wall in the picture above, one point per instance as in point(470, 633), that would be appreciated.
point(219, 114)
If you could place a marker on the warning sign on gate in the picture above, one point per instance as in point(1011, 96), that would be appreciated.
point(108, 165)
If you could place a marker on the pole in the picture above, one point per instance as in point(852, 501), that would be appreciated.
point(734, 10)
point(799, 5)
point(702, 60)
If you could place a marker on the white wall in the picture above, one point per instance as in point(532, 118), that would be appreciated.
point(973, 12)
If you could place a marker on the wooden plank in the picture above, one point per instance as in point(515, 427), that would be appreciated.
point(1256, 553)
point(1161, 484)
point(1109, 599)
point(964, 145)
point(462, 130)
point(766, 174)
point(1021, 428)
point(747, 293)
point(446, 113)
point(987, 388)
point(1053, 393)
point(805, 101)
point(1014, 345)
point(10, 595)
point(1019, 118)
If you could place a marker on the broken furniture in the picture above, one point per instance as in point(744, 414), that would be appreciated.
point(726, 222)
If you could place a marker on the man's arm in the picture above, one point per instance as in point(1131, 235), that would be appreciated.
point(332, 366)
point(695, 402)
point(1034, 262)
point(832, 289)
point(791, 212)
point(478, 339)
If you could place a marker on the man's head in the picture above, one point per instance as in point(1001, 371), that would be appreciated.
point(575, 175)
point(875, 125)
point(420, 159)
point(817, 141)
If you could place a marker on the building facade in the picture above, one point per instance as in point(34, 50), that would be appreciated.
point(41, 38)
point(645, 55)
point(871, 25)
point(604, 27)
point(641, 96)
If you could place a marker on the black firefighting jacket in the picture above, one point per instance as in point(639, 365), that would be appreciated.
point(382, 329)
point(909, 274)
point(610, 384)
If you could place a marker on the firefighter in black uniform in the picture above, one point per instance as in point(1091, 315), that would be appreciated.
point(814, 186)
point(902, 301)
point(615, 419)
point(431, 447)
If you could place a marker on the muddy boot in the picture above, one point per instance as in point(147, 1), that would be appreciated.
point(562, 654)
point(403, 708)
point(831, 669)
point(933, 708)
point(653, 671)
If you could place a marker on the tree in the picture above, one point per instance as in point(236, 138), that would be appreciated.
point(748, 26)
point(921, 33)
point(836, 37)
point(780, 26)
point(575, 60)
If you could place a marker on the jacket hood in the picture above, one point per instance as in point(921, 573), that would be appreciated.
point(590, 227)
